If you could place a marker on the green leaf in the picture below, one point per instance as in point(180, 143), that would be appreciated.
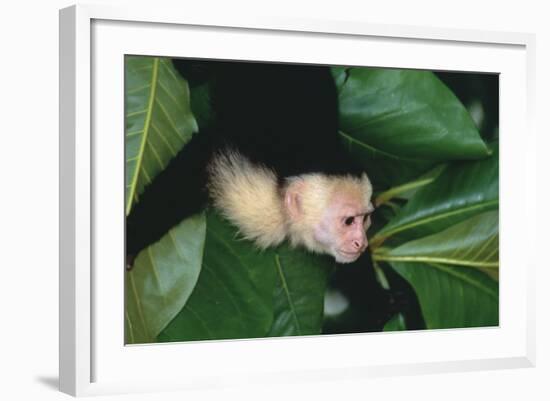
point(162, 280)
point(340, 75)
point(452, 296)
point(399, 123)
point(407, 190)
point(464, 189)
point(299, 294)
point(159, 121)
point(473, 242)
point(201, 105)
point(384, 169)
point(396, 323)
point(246, 293)
point(233, 297)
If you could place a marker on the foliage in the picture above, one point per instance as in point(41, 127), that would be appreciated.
point(158, 120)
point(435, 228)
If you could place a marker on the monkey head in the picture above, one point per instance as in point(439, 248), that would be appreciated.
point(329, 214)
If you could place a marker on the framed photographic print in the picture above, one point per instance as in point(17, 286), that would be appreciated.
point(271, 199)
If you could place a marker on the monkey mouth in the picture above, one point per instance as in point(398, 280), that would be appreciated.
point(346, 256)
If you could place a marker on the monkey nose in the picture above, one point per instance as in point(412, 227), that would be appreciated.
point(360, 244)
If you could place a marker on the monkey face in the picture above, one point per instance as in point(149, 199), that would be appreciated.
point(342, 229)
point(353, 238)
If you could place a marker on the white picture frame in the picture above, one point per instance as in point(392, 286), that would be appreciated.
point(93, 358)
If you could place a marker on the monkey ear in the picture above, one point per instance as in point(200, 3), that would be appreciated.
point(293, 198)
point(366, 179)
point(370, 208)
point(367, 183)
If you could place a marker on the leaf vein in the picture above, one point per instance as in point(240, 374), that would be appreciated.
point(139, 306)
point(287, 293)
point(152, 92)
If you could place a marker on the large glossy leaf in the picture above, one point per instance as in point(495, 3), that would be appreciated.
point(159, 123)
point(408, 113)
point(158, 120)
point(473, 242)
point(464, 189)
point(245, 293)
point(398, 123)
point(452, 296)
point(299, 293)
point(162, 280)
point(233, 297)
point(384, 169)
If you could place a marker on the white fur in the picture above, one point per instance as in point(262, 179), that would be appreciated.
point(249, 196)
point(318, 193)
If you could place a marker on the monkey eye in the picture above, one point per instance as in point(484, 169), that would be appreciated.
point(349, 221)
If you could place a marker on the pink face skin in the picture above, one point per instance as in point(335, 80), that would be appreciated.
point(342, 228)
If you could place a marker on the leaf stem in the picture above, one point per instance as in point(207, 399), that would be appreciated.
point(380, 275)
point(393, 192)
point(431, 259)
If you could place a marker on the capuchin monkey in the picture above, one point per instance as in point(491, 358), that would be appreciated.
point(323, 213)
point(271, 162)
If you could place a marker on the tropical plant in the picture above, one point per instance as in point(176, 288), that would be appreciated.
point(435, 231)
